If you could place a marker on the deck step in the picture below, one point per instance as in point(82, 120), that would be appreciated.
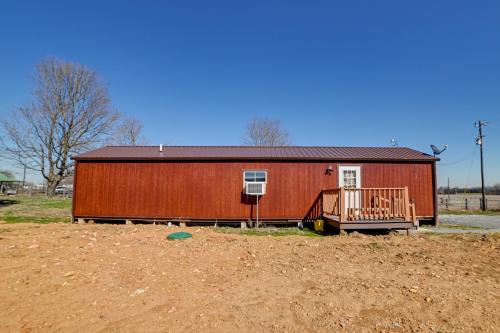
point(333, 220)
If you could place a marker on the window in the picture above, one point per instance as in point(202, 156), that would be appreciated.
point(350, 178)
point(255, 176)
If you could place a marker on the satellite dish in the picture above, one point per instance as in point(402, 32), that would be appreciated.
point(438, 151)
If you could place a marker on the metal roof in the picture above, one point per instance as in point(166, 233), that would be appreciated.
point(255, 153)
point(5, 179)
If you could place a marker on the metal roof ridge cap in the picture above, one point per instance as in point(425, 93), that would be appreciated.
point(278, 158)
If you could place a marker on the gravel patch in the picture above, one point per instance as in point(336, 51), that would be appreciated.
point(478, 224)
point(481, 221)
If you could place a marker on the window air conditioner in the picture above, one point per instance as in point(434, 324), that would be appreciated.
point(252, 188)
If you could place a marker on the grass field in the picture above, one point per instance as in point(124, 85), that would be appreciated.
point(35, 209)
point(458, 226)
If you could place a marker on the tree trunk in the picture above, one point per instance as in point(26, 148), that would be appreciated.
point(51, 187)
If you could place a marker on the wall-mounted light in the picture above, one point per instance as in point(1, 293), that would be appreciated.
point(329, 170)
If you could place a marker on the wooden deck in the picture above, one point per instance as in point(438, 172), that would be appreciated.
point(368, 208)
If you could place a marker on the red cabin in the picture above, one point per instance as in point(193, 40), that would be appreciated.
point(349, 187)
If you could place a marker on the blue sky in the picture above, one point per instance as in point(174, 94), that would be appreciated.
point(336, 73)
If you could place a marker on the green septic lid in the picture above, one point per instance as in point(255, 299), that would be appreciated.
point(179, 235)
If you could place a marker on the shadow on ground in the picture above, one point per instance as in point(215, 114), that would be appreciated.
point(8, 202)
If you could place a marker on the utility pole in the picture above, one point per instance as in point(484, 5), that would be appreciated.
point(448, 189)
point(479, 141)
point(257, 211)
point(24, 176)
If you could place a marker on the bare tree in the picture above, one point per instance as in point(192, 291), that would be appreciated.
point(70, 113)
point(265, 132)
point(128, 133)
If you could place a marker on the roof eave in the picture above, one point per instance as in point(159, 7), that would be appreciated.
point(430, 159)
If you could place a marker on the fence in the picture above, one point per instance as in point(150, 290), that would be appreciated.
point(462, 202)
point(30, 190)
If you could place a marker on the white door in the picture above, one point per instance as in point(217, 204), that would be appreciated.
point(349, 178)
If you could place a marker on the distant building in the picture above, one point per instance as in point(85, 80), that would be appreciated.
point(6, 183)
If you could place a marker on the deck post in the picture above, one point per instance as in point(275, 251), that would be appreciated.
point(322, 203)
point(342, 204)
point(182, 224)
point(413, 214)
point(407, 205)
point(243, 225)
point(128, 222)
point(81, 221)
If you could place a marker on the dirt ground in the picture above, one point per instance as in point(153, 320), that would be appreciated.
point(129, 278)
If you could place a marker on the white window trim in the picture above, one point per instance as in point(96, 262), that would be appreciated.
point(357, 168)
point(256, 170)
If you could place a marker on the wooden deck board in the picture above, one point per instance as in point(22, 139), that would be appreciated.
point(334, 221)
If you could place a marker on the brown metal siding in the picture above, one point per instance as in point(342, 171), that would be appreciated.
point(213, 190)
point(417, 176)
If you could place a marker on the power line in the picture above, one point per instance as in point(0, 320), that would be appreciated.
point(471, 155)
point(469, 170)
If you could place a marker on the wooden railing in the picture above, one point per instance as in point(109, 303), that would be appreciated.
point(358, 204)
